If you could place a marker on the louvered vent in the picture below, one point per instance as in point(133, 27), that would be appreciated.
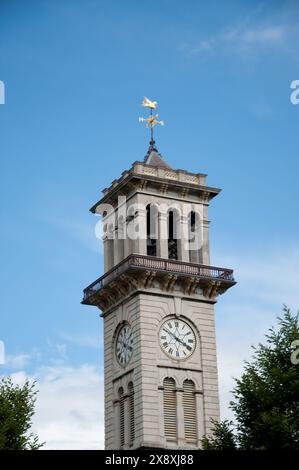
point(170, 412)
point(189, 404)
point(121, 416)
point(132, 412)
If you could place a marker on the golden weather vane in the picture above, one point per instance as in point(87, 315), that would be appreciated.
point(152, 120)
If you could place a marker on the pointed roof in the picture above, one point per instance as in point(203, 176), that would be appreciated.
point(154, 158)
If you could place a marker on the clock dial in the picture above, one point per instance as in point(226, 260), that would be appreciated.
point(177, 339)
point(124, 345)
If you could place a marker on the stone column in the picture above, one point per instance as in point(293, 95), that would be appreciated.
point(121, 242)
point(115, 247)
point(161, 414)
point(116, 424)
point(127, 241)
point(108, 253)
point(205, 251)
point(140, 225)
point(183, 242)
point(200, 417)
point(162, 242)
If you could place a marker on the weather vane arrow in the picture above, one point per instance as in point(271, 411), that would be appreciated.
point(152, 120)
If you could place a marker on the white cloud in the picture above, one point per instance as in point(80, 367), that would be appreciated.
point(250, 36)
point(84, 340)
point(69, 407)
point(17, 362)
point(267, 35)
point(20, 361)
point(85, 233)
point(270, 276)
point(239, 40)
point(266, 281)
point(261, 35)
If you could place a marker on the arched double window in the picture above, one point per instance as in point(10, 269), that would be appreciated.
point(170, 405)
point(126, 415)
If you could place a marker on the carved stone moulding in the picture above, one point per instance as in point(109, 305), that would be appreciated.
point(134, 279)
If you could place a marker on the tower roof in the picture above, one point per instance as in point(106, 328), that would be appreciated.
point(154, 158)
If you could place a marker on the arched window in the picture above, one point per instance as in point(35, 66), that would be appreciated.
point(172, 236)
point(132, 412)
point(170, 409)
point(189, 405)
point(151, 230)
point(121, 417)
point(195, 237)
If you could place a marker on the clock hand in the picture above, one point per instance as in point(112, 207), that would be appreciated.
point(170, 333)
point(176, 338)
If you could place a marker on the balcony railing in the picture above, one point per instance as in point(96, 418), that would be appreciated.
point(159, 264)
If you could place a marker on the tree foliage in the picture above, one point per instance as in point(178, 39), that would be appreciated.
point(223, 437)
point(266, 397)
point(16, 411)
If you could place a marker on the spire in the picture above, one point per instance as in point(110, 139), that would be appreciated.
point(153, 157)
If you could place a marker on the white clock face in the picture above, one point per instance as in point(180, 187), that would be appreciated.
point(124, 345)
point(177, 339)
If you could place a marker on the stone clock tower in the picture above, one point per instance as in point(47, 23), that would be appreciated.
point(157, 298)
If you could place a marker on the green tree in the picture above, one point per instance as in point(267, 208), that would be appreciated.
point(266, 397)
point(16, 411)
point(223, 437)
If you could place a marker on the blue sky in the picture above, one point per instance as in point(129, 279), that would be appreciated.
point(75, 73)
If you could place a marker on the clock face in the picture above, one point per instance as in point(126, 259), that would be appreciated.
point(177, 339)
point(124, 345)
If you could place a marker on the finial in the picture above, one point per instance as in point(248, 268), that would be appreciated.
point(152, 120)
point(152, 148)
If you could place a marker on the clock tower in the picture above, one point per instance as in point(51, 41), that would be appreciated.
point(157, 297)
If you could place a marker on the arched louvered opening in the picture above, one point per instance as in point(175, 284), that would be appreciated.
point(172, 235)
point(151, 230)
point(121, 417)
point(132, 412)
point(189, 405)
point(170, 409)
point(195, 237)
